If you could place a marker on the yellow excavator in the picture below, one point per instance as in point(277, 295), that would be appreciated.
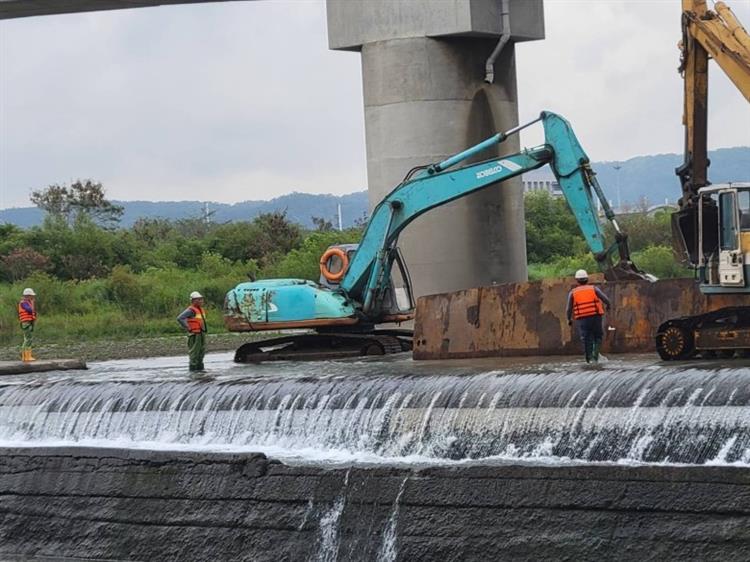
point(712, 227)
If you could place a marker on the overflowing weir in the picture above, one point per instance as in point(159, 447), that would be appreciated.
point(398, 412)
point(377, 460)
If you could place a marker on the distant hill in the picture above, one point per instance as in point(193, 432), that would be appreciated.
point(300, 208)
point(653, 177)
point(649, 177)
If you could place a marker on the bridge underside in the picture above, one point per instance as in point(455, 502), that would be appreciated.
point(25, 8)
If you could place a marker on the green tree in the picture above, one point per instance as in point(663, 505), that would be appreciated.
point(645, 230)
point(82, 197)
point(152, 231)
point(11, 237)
point(303, 262)
point(193, 227)
point(660, 261)
point(79, 251)
point(125, 288)
point(22, 262)
point(279, 234)
point(551, 229)
point(268, 237)
point(235, 241)
point(321, 224)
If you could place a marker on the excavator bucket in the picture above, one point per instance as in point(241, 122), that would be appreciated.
point(687, 234)
point(626, 270)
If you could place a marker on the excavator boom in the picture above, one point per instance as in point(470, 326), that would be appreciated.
point(439, 184)
point(723, 38)
point(718, 35)
point(705, 34)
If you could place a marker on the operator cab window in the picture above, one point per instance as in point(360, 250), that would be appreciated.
point(743, 202)
point(710, 221)
point(728, 227)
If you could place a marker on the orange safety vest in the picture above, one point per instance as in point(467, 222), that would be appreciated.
point(586, 302)
point(24, 315)
point(197, 323)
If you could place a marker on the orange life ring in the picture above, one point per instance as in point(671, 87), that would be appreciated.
point(327, 273)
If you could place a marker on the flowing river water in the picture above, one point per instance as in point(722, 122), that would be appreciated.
point(627, 410)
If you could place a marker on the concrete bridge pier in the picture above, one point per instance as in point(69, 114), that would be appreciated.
point(423, 68)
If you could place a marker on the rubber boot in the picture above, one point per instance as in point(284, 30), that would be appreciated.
point(28, 356)
point(595, 352)
point(24, 354)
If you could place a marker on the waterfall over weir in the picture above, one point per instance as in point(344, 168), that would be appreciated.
point(397, 410)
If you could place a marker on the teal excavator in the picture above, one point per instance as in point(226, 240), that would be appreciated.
point(366, 285)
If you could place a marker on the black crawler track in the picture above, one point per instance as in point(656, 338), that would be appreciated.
point(317, 346)
point(723, 333)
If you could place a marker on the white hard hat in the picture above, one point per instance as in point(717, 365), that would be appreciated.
point(581, 274)
point(196, 295)
point(28, 292)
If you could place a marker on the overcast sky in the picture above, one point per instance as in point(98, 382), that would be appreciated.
point(243, 100)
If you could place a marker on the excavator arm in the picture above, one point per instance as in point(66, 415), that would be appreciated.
point(367, 276)
point(707, 34)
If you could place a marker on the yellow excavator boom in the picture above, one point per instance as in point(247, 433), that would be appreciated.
point(723, 38)
point(706, 34)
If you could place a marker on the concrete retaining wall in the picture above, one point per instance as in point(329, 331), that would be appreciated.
point(128, 505)
point(529, 318)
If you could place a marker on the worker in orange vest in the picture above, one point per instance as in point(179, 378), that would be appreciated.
point(586, 304)
point(27, 318)
point(193, 319)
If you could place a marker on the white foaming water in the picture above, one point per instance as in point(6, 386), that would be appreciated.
point(395, 412)
point(389, 548)
point(328, 525)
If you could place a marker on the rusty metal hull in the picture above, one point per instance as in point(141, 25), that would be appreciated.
point(529, 318)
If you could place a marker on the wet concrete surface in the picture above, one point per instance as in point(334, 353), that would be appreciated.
point(39, 366)
point(151, 501)
point(110, 504)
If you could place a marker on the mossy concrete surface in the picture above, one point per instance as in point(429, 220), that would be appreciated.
point(114, 504)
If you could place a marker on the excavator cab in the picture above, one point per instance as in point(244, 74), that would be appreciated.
point(341, 328)
point(724, 238)
point(398, 298)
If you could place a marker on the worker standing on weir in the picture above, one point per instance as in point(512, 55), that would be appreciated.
point(193, 319)
point(586, 304)
point(27, 318)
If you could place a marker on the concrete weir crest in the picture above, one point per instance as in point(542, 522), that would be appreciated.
point(423, 69)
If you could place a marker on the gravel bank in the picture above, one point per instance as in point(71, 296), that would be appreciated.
point(102, 350)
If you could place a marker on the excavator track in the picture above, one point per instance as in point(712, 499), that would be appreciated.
point(321, 346)
point(723, 333)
